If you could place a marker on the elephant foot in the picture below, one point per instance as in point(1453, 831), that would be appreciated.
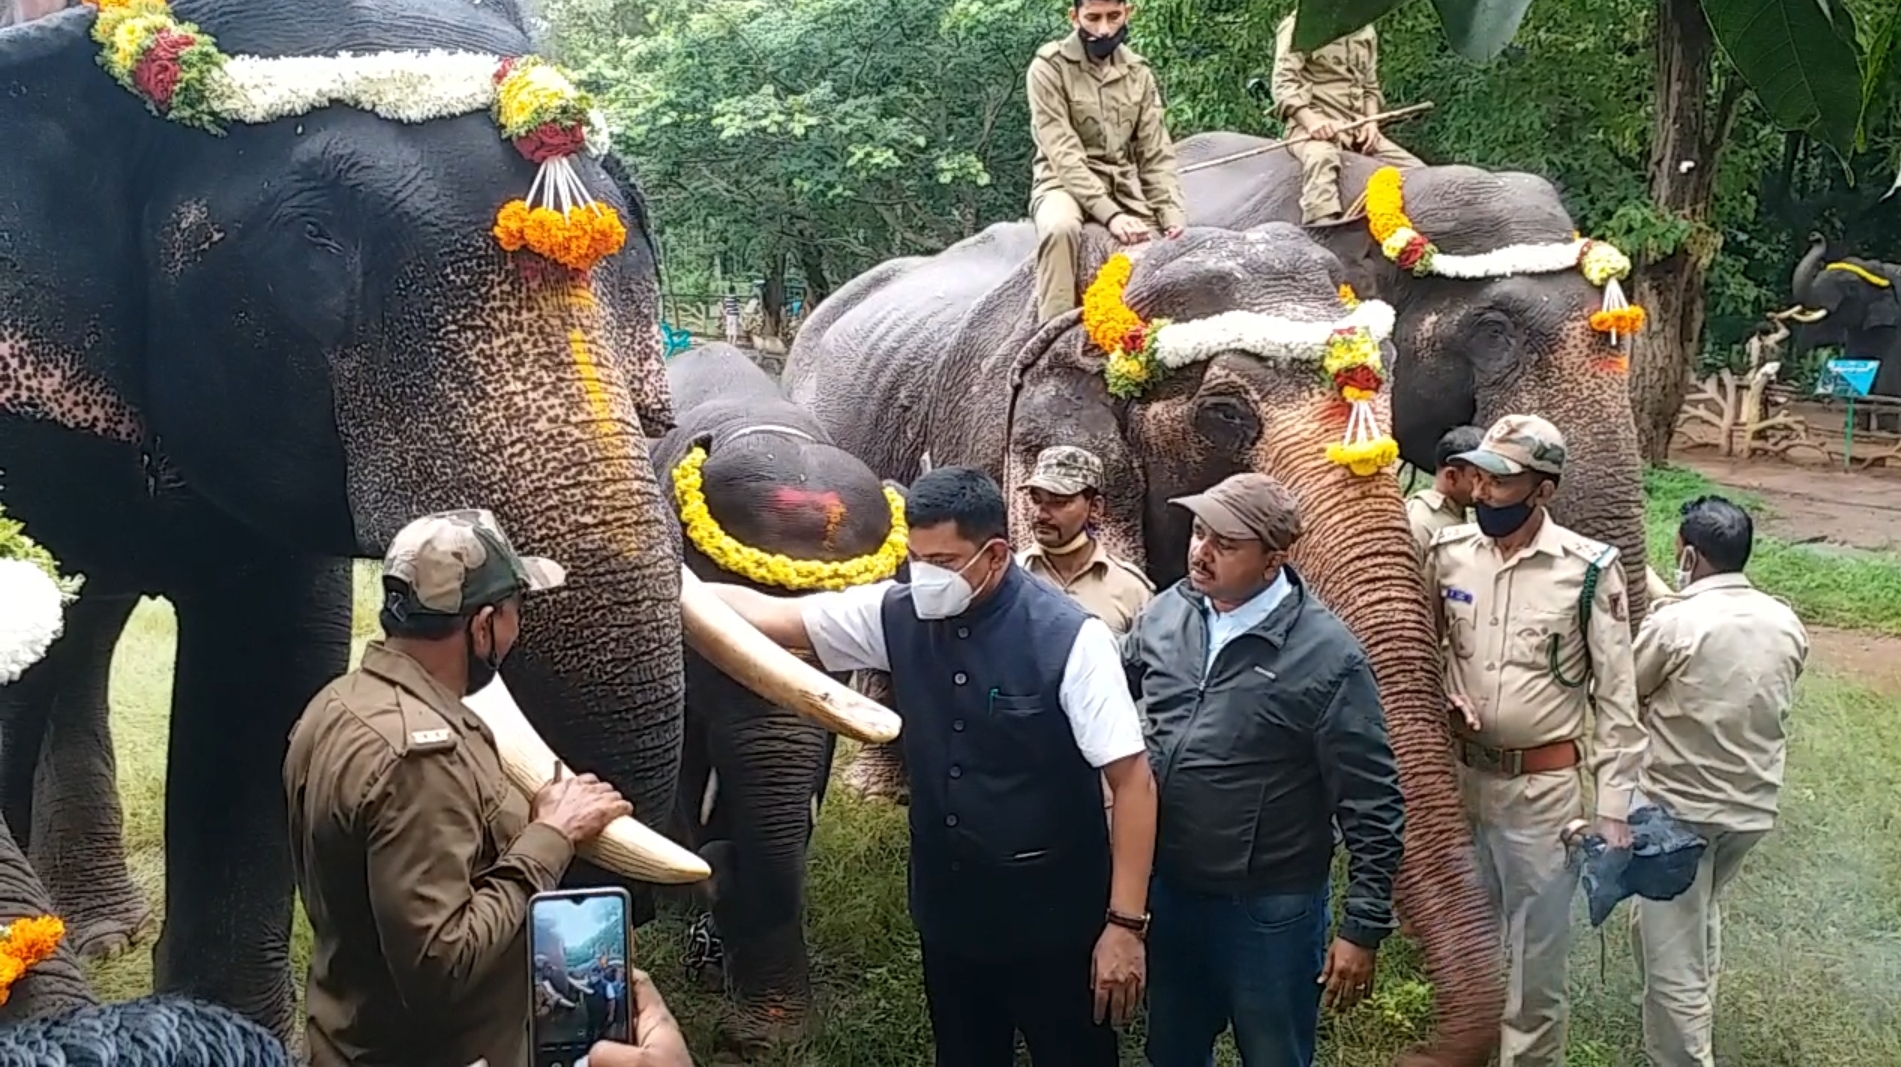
point(879, 772)
point(101, 933)
point(704, 958)
point(754, 1029)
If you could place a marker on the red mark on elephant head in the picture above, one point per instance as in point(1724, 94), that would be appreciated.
point(824, 501)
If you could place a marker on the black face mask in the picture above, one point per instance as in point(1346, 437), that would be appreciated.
point(1103, 47)
point(1502, 521)
point(481, 671)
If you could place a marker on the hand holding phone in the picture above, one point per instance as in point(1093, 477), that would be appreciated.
point(658, 1042)
point(579, 941)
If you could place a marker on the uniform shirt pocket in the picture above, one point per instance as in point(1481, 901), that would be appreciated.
point(1532, 633)
point(1462, 629)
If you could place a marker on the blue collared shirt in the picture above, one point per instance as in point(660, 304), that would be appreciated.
point(1225, 626)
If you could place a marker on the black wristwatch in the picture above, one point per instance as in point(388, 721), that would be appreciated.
point(1135, 924)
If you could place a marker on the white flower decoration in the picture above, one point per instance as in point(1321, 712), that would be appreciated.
point(1269, 336)
point(32, 614)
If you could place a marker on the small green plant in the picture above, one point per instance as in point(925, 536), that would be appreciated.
point(15, 544)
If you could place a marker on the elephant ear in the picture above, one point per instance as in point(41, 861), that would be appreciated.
point(1058, 396)
point(1884, 311)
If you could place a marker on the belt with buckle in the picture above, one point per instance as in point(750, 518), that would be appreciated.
point(1512, 762)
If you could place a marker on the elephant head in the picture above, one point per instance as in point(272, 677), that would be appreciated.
point(1854, 303)
point(310, 319)
point(1256, 379)
point(1474, 342)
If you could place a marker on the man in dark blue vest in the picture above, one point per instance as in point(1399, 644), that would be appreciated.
point(1015, 708)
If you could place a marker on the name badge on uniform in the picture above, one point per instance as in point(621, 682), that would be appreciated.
point(428, 738)
point(1459, 596)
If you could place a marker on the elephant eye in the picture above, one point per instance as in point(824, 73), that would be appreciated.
point(316, 235)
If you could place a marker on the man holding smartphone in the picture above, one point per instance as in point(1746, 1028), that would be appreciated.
point(414, 858)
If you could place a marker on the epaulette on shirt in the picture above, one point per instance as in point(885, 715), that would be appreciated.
point(1464, 531)
point(1132, 569)
point(425, 731)
point(1596, 553)
point(1049, 50)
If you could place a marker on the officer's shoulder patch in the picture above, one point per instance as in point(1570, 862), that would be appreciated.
point(1049, 50)
point(1129, 568)
point(424, 730)
point(1590, 551)
point(1464, 531)
point(1619, 611)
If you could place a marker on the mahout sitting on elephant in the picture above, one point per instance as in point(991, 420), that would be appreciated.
point(1500, 309)
point(403, 280)
point(1191, 359)
point(766, 500)
point(1851, 302)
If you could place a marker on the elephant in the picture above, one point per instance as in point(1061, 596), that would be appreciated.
point(753, 774)
point(941, 355)
point(258, 355)
point(1469, 349)
point(1854, 303)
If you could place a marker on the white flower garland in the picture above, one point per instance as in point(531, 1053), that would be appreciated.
point(411, 87)
point(32, 614)
point(1178, 344)
point(1510, 260)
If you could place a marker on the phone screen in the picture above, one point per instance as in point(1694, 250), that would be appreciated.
point(578, 943)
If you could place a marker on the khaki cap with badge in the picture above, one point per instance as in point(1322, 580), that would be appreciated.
point(1516, 444)
point(1066, 471)
point(454, 562)
point(1247, 507)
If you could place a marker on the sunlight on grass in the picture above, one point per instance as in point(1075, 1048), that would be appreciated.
point(1812, 957)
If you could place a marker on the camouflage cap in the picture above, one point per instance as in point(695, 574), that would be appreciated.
point(453, 562)
point(1516, 444)
point(1066, 470)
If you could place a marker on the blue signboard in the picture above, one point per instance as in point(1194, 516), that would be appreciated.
point(1848, 377)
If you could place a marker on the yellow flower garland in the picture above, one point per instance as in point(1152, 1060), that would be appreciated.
point(1114, 327)
point(27, 943)
point(769, 568)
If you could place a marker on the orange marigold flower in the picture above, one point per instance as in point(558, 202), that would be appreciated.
point(510, 223)
point(1106, 318)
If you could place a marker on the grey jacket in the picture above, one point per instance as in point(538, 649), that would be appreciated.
point(1255, 758)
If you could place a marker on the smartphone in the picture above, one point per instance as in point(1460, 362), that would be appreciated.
point(580, 945)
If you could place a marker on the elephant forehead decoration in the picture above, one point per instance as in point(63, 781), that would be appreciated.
point(1600, 262)
point(775, 569)
point(1346, 351)
point(177, 69)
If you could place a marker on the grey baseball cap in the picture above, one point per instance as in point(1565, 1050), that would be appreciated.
point(454, 562)
point(1066, 470)
point(1247, 507)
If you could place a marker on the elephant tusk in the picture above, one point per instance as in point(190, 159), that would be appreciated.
point(1802, 314)
point(753, 660)
point(626, 847)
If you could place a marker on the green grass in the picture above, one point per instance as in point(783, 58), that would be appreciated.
point(1812, 955)
point(1860, 591)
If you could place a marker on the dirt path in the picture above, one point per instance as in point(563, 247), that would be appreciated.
point(1874, 660)
point(1815, 504)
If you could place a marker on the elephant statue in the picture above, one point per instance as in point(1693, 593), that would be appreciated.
point(1854, 303)
point(1266, 363)
point(1481, 342)
point(260, 354)
point(759, 485)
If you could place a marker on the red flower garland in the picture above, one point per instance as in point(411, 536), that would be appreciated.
point(157, 72)
point(551, 141)
point(1360, 377)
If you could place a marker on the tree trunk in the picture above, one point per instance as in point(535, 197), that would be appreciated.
point(1685, 129)
point(812, 265)
point(772, 296)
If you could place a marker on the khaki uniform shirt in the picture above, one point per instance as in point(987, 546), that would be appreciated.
point(1340, 80)
point(1429, 512)
point(1716, 673)
point(415, 861)
point(1111, 589)
point(1497, 618)
point(1099, 135)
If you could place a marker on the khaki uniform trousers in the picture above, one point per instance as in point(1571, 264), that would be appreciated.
point(1678, 946)
point(1515, 826)
point(1320, 174)
point(1059, 233)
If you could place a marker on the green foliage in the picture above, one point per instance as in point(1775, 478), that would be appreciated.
point(15, 544)
point(833, 132)
point(1801, 57)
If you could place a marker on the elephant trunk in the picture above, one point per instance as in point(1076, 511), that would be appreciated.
point(1802, 282)
point(1358, 556)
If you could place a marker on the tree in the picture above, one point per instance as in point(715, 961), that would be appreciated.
point(827, 135)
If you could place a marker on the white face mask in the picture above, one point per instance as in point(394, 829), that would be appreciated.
point(1686, 564)
point(939, 592)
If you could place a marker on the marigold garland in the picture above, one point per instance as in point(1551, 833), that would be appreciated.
point(26, 944)
point(1353, 364)
point(1601, 263)
point(769, 568)
point(1131, 365)
point(179, 72)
